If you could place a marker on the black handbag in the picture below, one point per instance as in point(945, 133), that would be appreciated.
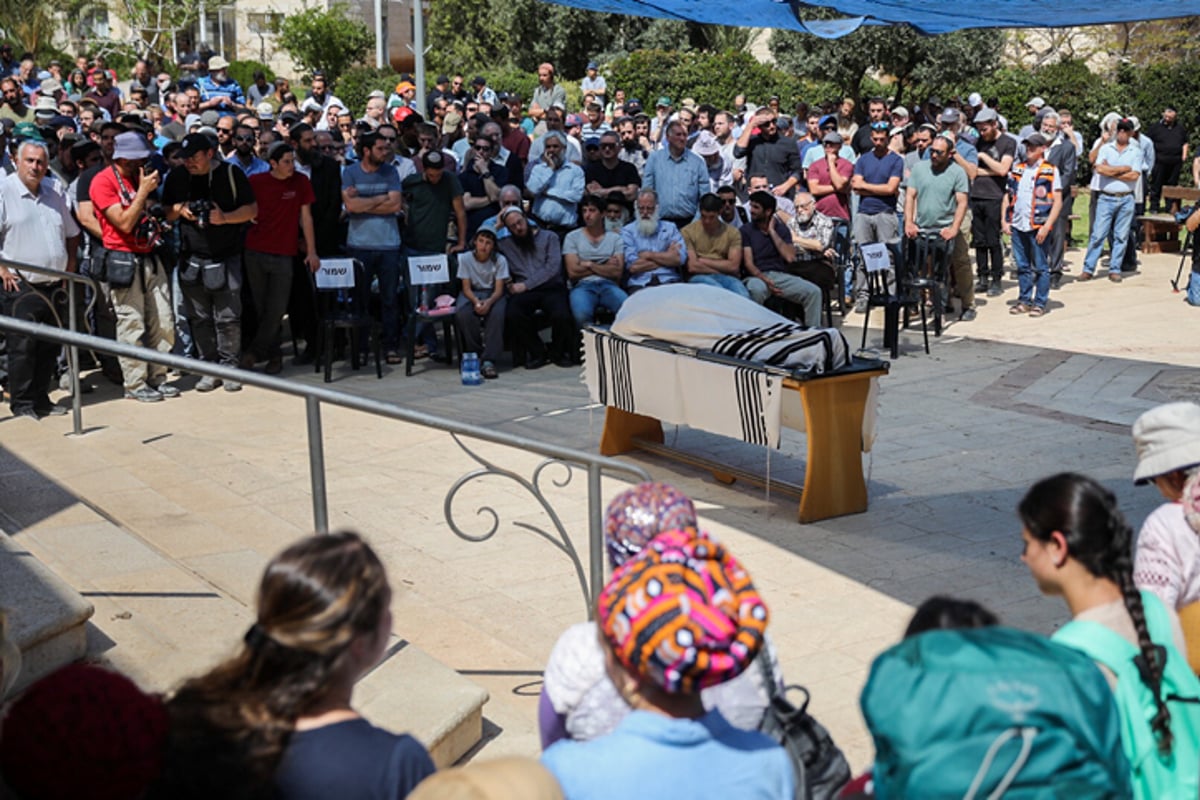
point(821, 768)
point(120, 268)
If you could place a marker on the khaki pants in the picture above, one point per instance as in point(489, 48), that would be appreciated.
point(144, 317)
point(960, 266)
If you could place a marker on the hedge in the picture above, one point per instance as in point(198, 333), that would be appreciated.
point(708, 78)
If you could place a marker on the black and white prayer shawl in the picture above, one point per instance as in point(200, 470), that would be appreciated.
point(676, 387)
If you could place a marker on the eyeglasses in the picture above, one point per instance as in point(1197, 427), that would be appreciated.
point(729, 202)
point(244, 138)
point(345, 126)
point(329, 148)
point(483, 148)
point(608, 145)
point(226, 131)
point(939, 151)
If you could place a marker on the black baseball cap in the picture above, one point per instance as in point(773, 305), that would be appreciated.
point(195, 143)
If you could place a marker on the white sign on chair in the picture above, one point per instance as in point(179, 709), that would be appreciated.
point(875, 256)
point(426, 270)
point(335, 273)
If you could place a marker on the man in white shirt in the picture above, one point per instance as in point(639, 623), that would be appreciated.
point(36, 228)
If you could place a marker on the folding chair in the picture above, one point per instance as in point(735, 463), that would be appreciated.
point(343, 297)
point(428, 277)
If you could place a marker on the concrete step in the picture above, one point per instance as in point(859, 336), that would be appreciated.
point(164, 612)
point(412, 691)
point(47, 618)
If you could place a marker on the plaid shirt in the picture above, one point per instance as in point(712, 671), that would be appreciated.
point(819, 227)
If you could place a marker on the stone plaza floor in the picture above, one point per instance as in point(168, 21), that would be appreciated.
point(163, 515)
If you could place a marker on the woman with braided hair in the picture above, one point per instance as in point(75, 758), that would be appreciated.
point(276, 720)
point(1079, 546)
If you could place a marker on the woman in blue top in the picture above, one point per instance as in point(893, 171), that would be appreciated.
point(276, 719)
point(1079, 546)
point(681, 616)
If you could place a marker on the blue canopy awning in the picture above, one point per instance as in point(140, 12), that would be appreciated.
point(927, 16)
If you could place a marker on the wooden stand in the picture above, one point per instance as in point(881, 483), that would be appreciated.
point(834, 407)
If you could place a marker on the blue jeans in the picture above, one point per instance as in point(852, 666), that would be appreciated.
point(385, 265)
point(588, 295)
point(1033, 267)
point(727, 282)
point(1115, 214)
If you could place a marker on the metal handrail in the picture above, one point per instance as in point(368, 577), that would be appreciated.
point(595, 465)
point(72, 351)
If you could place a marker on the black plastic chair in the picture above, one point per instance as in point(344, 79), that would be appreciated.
point(843, 260)
point(346, 309)
point(421, 297)
point(892, 291)
point(927, 260)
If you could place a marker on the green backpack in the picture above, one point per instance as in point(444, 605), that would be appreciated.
point(992, 713)
point(1154, 777)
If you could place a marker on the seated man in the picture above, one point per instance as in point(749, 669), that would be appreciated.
point(535, 264)
point(715, 248)
point(595, 264)
point(654, 250)
point(767, 256)
point(813, 234)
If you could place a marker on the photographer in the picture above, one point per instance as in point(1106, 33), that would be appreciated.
point(135, 279)
point(213, 200)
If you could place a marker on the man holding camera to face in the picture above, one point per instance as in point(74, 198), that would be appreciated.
point(213, 201)
point(121, 194)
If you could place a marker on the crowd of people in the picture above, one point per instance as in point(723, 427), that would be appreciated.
point(668, 691)
point(204, 206)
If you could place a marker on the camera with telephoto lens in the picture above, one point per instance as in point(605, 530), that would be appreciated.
point(200, 210)
point(1181, 216)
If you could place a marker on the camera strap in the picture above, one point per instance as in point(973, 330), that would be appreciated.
point(124, 191)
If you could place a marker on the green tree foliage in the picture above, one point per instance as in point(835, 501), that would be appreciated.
point(708, 77)
point(477, 36)
point(357, 83)
point(897, 51)
point(330, 40)
point(243, 72)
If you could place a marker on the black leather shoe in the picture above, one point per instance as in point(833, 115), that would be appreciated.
point(52, 410)
point(25, 412)
point(564, 361)
point(536, 363)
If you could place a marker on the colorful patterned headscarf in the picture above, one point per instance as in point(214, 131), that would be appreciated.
point(637, 515)
point(683, 614)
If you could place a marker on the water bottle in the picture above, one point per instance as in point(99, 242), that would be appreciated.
point(470, 370)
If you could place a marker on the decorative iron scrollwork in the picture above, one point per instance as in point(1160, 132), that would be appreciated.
point(559, 538)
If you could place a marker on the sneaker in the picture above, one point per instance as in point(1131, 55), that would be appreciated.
point(146, 394)
point(208, 383)
point(981, 286)
point(1055, 280)
point(52, 410)
point(166, 390)
point(995, 290)
point(488, 371)
point(25, 412)
point(968, 315)
point(232, 386)
point(860, 305)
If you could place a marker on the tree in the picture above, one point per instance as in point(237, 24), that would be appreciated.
point(152, 24)
point(326, 40)
point(895, 50)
